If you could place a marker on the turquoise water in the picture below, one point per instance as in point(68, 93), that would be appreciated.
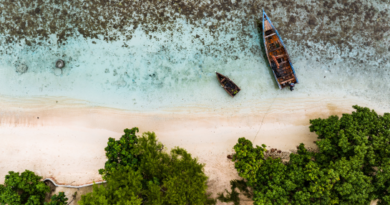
point(166, 70)
point(168, 60)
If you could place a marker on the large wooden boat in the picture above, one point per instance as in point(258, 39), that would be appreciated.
point(228, 84)
point(277, 55)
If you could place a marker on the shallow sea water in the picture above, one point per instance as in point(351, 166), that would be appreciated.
point(173, 65)
point(141, 73)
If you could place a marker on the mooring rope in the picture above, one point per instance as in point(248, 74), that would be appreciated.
point(264, 117)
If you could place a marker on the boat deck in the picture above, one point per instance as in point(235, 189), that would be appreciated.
point(275, 50)
point(267, 26)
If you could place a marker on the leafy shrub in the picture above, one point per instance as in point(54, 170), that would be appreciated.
point(351, 167)
point(139, 171)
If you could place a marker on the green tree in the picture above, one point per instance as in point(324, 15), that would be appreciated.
point(351, 167)
point(151, 176)
point(301, 181)
point(26, 188)
point(248, 159)
point(123, 186)
point(119, 152)
point(382, 184)
point(359, 145)
point(233, 196)
point(59, 199)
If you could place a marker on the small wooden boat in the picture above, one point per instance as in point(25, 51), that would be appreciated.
point(277, 55)
point(228, 85)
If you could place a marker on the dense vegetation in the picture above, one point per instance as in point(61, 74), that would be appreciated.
point(351, 167)
point(233, 196)
point(138, 171)
point(27, 188)
point(59, 199)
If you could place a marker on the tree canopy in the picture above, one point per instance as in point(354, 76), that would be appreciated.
point(59, 199)
point(139, 171)
point(27, 188)
point(351, 167)
point(120, 152)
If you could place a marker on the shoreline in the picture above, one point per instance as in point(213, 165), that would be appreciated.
point(69, 139)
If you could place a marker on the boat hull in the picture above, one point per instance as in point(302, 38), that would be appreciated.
point(228, 85)
point(277, 55)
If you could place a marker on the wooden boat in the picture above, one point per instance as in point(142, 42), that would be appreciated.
point(277, 55)
point(228, 84)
